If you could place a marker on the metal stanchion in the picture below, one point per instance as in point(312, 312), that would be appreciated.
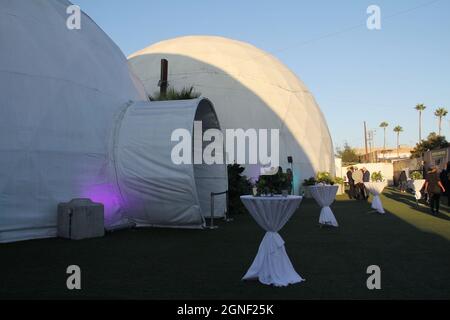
point(212, 226)
point(226, 218)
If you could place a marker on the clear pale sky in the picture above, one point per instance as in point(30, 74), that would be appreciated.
point(355, 74)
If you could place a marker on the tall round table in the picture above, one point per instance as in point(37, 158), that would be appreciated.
point(417, 185)
point(376, 188)
point(325, 196)
point(272, 265)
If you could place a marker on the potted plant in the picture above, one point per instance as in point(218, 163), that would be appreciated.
point(279, 183)
point(377, 177)
point(238, 185)
point(416, 175)
point(340, 182)
point(324, 178)
point(306, 184)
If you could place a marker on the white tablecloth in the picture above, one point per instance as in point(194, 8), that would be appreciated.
point(325, 195)
point(272, 264)
point(417, 186)
point(376, 188)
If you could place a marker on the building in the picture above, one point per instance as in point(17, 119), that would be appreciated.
point(378, 154)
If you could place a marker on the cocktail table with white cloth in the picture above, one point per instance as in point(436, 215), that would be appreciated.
point(325, 196)
point(376, 188)
point(417, 185)
point(272, 265)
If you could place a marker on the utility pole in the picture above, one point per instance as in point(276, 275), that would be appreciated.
point(163, 83)
point(365, 141)
point(371, 142)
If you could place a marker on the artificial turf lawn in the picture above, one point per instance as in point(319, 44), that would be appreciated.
point(411, 247)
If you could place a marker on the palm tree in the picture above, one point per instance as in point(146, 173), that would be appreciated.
point(420, 107)
point(440, 113)
point(384, 125)
point(397, 130)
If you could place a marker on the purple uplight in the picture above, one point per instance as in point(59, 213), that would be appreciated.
point(106, 194)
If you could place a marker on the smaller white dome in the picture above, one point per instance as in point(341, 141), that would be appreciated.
point(250, 89)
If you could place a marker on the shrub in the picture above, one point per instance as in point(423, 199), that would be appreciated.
point(274, 184)
point(325, 178)
point(309, 182)
point(348, 155)
point(377, 176)
point(339, 180)
point(172, 94)
point(238, 185)
point(416, 175)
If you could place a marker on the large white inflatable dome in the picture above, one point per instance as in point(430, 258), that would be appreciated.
point(60, 90)
point(250, 89)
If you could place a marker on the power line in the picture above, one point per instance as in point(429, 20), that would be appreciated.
point(347, 29)
point(303, 43)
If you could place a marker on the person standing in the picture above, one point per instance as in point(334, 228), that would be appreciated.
point(424, 169)
point(290, 179)
point(434, 187)
point(445, 179)
point(351, 183)
point(357, 176)
point(366, 175)
point(366, 178)
point(424, 176)
point(402, 180)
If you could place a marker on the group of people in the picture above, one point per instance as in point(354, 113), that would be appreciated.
point(435, 185)
point(356, 178)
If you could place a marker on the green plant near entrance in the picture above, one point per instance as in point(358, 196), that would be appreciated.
point(173, 94)
point(238, 185)
point(274, 184)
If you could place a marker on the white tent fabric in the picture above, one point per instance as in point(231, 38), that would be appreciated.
point(243, 80)
point(156, 191)
point(61, 90)
point(68, 124)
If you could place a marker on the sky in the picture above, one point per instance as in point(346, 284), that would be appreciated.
point(355, 74)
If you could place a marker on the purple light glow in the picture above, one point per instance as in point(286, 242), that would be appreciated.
point(106, 194)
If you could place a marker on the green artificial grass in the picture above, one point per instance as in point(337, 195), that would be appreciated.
point(411, 247)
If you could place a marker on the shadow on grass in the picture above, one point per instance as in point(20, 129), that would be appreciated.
point(409, 200)
point(209, 264)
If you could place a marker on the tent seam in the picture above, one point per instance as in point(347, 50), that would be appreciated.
point(57, 79)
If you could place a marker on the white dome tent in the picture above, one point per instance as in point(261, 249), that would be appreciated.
point(250, 89)
point(66, 106)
